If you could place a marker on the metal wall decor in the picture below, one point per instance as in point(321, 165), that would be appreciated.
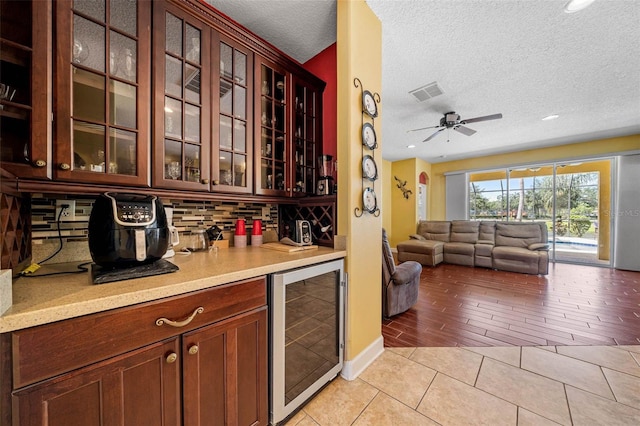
point(402, 184)
point(370, 103)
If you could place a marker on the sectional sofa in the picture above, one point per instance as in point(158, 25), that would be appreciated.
point(507, 246)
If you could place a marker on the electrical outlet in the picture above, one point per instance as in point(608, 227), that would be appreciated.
point(69, 214)
point(266, 213)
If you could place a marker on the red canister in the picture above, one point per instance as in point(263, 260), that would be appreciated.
point(257, 227)
point(240, 227)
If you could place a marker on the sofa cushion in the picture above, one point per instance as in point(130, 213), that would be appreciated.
point(417, 237)
point(487, 231)
point(435, 230)
point(518, 234)
point(459, 248)
point(484, 250)
point(516, 259)
point(538, 246)
point(486, 242)
point(421, 247)
point(464, 231)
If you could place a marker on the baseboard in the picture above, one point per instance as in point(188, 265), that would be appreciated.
point(352, 369)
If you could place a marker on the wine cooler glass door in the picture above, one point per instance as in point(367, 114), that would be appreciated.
point(307, 317)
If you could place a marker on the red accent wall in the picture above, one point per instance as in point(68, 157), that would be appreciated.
point(324, 65)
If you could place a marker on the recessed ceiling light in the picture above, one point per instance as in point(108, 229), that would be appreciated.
point(576, 5)
point(550, 117)
point(411, 146)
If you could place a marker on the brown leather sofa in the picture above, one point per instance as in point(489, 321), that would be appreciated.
point(508, 246)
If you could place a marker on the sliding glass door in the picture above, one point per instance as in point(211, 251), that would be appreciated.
point(573, 199)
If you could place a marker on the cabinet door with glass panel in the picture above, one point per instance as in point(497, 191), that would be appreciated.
point(272, 135)
point(182, 139)
point(232, 168)
point(306, 137)
point(102, 91)
point(25, 99)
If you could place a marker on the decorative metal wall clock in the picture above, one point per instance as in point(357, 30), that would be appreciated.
point(369, 138)
point(370, 103)
point(369, 168)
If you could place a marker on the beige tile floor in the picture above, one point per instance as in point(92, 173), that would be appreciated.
point(567, 385)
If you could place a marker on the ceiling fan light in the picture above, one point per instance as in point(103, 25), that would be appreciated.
point(550, 117)
point(576, 5)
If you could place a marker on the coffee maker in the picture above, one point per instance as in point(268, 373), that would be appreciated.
point(326, 169)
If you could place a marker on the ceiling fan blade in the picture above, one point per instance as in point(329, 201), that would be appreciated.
point(464, 130)
point(422, 128)
point(434, 135)
point(484, 118)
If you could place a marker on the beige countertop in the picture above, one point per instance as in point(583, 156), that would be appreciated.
point(43, 300)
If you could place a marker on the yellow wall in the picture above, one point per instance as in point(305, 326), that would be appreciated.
point(602, 147)
point(359, 54)
point(405, 211)
point(386, 187)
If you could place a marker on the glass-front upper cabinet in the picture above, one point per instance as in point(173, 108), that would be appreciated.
point(306, 137)
point(233, 166)
point(272, 139)
point(182, 135)
point(25, 101)
point(102, 86)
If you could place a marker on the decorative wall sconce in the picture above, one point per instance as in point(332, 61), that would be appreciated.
point(402, 185)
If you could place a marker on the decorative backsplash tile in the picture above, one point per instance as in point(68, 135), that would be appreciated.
point(188, 215)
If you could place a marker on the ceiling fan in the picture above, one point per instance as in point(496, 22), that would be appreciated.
point(451, 120)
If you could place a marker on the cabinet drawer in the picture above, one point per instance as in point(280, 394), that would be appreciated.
point(45, 351)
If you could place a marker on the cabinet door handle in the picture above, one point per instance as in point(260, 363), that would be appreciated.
point(193, 349)
point(161, 321)
point(40, 163)
point(171, 358)
point(65, 166)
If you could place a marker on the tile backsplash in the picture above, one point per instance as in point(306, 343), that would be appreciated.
point(188, 216)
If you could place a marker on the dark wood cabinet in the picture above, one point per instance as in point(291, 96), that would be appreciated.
point(307, 136)
point(233, 152)
point(288, 135)
point(168, 94)
point(102, 91)
point(140, 387)
point(225, 380)
point(25, 78)
point(181, 99)
point(146, 364)
point(273, 135)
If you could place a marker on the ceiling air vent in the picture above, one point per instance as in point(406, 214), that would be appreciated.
point(427, 92)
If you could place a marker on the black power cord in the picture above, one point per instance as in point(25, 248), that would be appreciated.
point(28, 272)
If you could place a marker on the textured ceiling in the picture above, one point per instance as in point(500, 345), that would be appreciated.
point(300, 28)
point(525, 59)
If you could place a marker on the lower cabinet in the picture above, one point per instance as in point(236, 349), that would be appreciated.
point(224, 381)
point(138, 388)
point(207, 373)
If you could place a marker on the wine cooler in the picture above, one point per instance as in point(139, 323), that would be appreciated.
point(307, 334)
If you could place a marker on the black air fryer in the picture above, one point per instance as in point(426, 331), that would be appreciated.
point(127, 230)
